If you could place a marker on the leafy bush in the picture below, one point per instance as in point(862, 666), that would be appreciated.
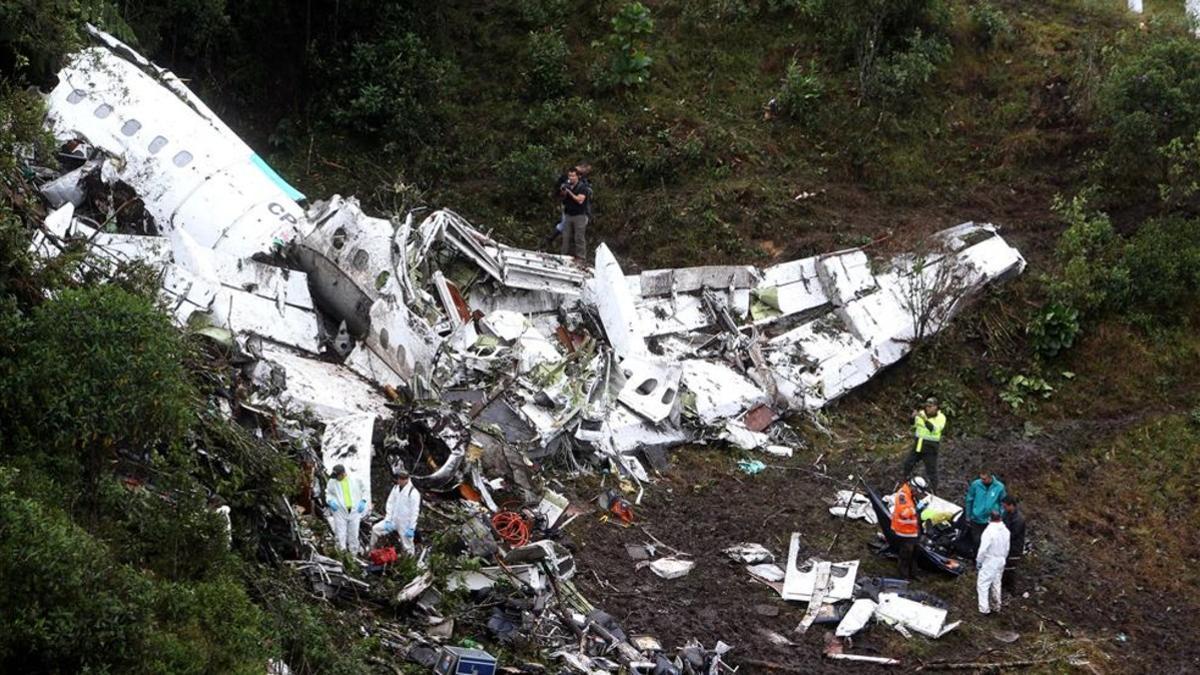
point(801, 91)
point(898, 77)
point(1023, 391)
point(1149, 98)
point(88, 372)
point(989, 26)
point(628, 62)
point(540, 13)
point(1163, 259)
point(68, 606)
point(390, 88)
point(1054, 330)
point(527, 175)
point(1092, 274)
point(546, 72)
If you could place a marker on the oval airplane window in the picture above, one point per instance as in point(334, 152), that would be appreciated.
point(103, 110)
point(131, 127)
point(384, 341)
point(76, 96)
point(157, 144)
point(182, 158)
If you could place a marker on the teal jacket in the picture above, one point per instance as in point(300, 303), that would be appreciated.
point(983, 499)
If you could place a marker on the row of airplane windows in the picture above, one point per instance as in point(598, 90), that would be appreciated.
point(131, 127)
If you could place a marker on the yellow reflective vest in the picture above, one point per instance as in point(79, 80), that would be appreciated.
point(922, 431)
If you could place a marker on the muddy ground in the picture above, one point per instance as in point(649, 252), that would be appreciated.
point(1075, 598)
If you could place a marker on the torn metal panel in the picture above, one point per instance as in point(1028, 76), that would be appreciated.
point(856, 619)
point(651, 387)
point(626, 432)
point(692, 279)
point(802, 576)
point(326, 389)
point(718, 391)
point(845, 275)
point(351, 258)
point(513, 267)
point(610, 294)
point(398, 338)
point(920, 618)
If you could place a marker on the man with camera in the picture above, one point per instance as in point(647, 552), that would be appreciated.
point(576, 197)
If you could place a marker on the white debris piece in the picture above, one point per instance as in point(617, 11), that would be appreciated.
point(737, 435)
point(912, 615)
point(766, 571)
point(854, 505)
point(778, 450)
point(671, 568)
point(610, 294)
point(801, 577)
point(856, 619)
point(719, 391)
point(750, 553)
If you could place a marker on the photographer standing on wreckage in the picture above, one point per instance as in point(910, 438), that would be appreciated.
point(576, 195)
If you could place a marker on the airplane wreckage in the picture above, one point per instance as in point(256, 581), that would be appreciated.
point(432, 343)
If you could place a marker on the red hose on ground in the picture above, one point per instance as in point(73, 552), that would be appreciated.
point(511, 527)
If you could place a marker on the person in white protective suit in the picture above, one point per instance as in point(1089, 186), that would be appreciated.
point(403, 509)
point(347, 502)
point(989, 561)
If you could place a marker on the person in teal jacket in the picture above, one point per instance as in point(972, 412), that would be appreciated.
point(983, 496)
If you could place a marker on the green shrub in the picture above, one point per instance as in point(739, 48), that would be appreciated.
point(1023, 391)
point(69, 606)
point(527, 175)
point(1092, 274)
point(899, 77)
point(1148, 99)
point(1054, 330)
point(800, 95)
point(542, 13)
point(989, 26)
point(1163, 259)
point(90, 371)
point(389, 88)
point(628, 62)
point(546, 72)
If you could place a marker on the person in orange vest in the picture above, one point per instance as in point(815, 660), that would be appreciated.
point(906, 521)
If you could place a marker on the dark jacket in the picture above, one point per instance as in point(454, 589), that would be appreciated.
point(570, 206)
point(1015, 522)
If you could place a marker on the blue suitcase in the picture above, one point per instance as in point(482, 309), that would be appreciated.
point(462, 661)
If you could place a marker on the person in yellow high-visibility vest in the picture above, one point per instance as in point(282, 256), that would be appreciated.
point(928, 425)
point(347, 502)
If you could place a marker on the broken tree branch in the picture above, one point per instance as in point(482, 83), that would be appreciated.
point(985, 665)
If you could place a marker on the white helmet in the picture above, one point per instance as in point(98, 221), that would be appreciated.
point(919, 483)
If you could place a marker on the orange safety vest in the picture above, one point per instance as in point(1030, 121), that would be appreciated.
point(904, 514)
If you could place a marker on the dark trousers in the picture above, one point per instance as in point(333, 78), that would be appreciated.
point(976, 532)
point(907, 552)
point(928, 456)
point(1012, 568)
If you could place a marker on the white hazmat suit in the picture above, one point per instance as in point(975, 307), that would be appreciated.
point(403, 509)
point(347, 504)
point(993, 551)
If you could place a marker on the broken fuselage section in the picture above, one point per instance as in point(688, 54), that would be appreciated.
point(541, 355)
